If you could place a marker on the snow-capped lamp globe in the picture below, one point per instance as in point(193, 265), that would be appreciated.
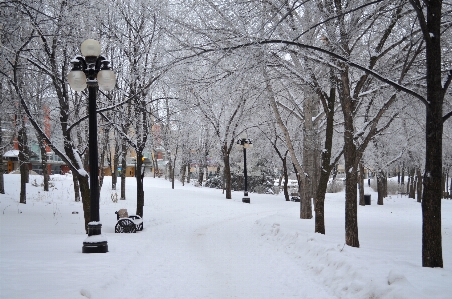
point(93, 71)
point(90, 47)
point(106, 78)
point(77, 77)
point(248, 144)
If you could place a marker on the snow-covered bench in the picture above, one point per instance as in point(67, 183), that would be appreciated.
point(294, 196)
point(126, 223)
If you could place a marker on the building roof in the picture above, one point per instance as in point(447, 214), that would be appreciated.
point(11, 154)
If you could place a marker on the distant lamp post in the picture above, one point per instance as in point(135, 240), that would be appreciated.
point(245, 143)
point(92, 70)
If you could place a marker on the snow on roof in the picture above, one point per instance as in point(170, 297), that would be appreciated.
point(13, 153)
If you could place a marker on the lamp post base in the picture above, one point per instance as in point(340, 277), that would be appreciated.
point(97, 247)
point(95, 242)
point(246, 199)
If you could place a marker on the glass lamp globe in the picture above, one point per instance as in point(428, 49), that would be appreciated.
point(248, 145)
point(77, 80)
point(239, 144)
point(90, 47)
point(106, 80)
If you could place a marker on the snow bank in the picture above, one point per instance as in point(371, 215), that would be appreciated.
point(197, 244)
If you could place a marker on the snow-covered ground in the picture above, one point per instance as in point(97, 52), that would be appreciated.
point(197, 244)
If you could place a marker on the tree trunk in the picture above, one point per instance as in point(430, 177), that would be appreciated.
point(385, 185)
point(380, 187)
point(350, 156)
point(174, 168)
point(83, 184)
point(76, 187)
point(447, 184)
point(123, 170)
point(307, 178)
point(172, 180)
point(412, 183)
point(431, 198)
point(114, 174)
point(200, 175)
point(419, 185)
point(102, 170)
point(156, 165)
point(184, 171)
point(286, 178)
point(169, 166)
point(227, 171)
point(188, 173)
point(84, 190)
point(450, 190)
point(403, 174)
point(319, 206)
point(139, 175)
point(361, 184)
point(44, 166)
point(282, 126)
point(351, 210)
point(299, 184)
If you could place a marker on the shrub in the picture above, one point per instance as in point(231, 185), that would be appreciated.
point(257, 184)
point(335, 186)
point(215, 182)
point(393, 186)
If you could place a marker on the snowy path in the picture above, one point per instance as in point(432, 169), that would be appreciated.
point(211, 249)
point(241, 264)
point(197, 244)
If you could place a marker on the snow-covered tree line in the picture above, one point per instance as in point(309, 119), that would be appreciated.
point(313, 83)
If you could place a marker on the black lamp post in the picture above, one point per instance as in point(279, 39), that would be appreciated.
point(92, 71)
point(245, 143)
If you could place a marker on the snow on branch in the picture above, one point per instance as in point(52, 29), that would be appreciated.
point(337, 16)
point(327, 52)
point(396, 158)
point(365, 93)
point(291, 111)
point(118, 129)
point(41, 132)
point(108, 108)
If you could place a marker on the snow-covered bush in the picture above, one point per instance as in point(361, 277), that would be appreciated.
point(215, 182)
point(335, 186)
point(257, 184)
point(393, 186)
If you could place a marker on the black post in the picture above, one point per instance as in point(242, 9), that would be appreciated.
point(245, 172)
point(93, 159)
point(95, 245)
point(246, 198)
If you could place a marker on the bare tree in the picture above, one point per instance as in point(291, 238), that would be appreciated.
point(430, 19)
